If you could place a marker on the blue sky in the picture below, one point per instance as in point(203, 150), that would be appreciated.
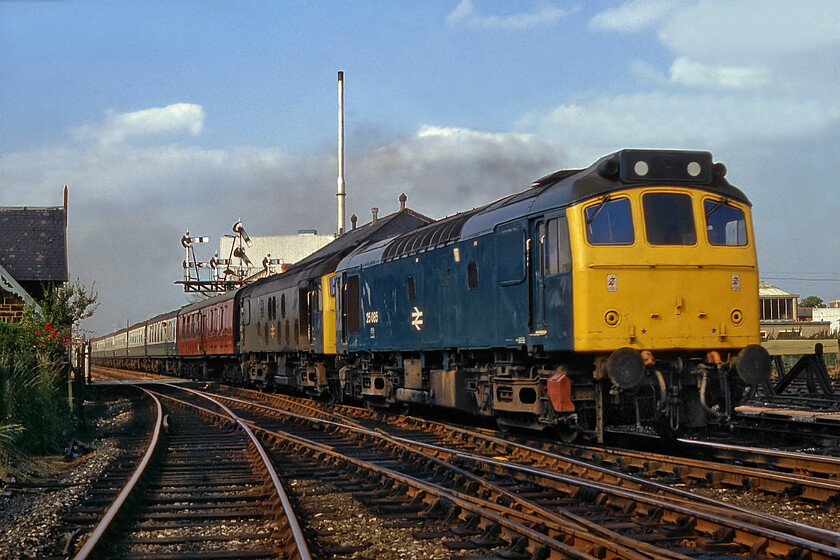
point(162, 116)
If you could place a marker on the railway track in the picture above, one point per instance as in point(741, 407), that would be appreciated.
point(815, 478)
point(600, 503)
point(202, 488)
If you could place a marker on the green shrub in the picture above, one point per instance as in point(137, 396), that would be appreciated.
point(33, 368)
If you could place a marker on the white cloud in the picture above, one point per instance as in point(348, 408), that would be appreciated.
point(783, 47)
point(467, 135)
point(466, 14)
point(172, 119)
point(727, 30)
point(631, 16)
point(645, 73)
point(600, 125)
point(696, 74)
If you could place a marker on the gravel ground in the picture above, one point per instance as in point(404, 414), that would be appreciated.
point(350, 524)
point(801, 512)
point(29, 516)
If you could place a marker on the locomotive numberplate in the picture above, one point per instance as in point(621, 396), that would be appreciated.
point(371, 317)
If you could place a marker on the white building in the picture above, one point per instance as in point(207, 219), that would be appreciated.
point(271, 252)
point(830, 314)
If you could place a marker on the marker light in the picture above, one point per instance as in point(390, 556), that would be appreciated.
point(641, 168)
point(693, 169)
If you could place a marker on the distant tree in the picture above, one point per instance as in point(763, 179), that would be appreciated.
point(811, 301)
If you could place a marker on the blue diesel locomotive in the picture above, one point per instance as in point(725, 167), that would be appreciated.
point(623, 293)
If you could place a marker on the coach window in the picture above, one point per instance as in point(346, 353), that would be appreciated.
point(610, 222)
point(558, 252)
point(725, 224)
point(283, 306)
point(472, 276)
point(669, 219)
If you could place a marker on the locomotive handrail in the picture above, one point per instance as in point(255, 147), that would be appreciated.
point(600, 266)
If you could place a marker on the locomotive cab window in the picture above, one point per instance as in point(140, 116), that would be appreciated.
point(610, 222)
point(558, 252)
point(354, 302)
point(669, 219)
point(316, 299)
point(725, 224)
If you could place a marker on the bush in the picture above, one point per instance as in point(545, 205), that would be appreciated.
point(33, 401)
point(33, 368)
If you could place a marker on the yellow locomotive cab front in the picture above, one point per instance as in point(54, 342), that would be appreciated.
point(663, 268)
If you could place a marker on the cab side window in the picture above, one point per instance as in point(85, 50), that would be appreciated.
point(558, 253)
point(610, 222)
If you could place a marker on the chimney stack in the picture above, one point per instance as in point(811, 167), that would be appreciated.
point(353, 220)
point(375, 212)
point(340, 194)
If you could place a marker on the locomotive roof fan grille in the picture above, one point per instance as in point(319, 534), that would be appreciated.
point(434, 235)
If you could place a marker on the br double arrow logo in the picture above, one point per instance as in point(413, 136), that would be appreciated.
point(417, 318)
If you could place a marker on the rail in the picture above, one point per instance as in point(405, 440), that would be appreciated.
point(112, 512)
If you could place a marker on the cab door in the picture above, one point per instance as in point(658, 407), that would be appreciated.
point(536, 276)
point(315, 310)
point(556, 284)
